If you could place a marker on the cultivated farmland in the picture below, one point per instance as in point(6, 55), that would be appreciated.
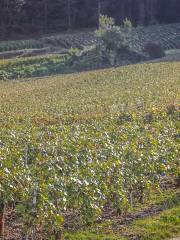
point(72, 146)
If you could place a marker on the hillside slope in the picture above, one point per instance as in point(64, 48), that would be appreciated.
point(77, 138)
point(168, 35)
point(91, 92)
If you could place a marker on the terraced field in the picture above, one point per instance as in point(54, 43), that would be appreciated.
point(167, 35)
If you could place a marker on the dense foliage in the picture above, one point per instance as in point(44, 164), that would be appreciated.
point(113, 40)
point(33, 67)
point(75, 143)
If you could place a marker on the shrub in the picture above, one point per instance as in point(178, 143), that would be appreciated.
point(3, 75)
point(73, 55)
point(113, 39)
point(154, 50)
point(127, 23)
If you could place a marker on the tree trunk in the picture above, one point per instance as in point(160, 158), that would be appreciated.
point(99, 11)
point(141, 12)
point(45, 15)
point(69, 14)
point(59, 236)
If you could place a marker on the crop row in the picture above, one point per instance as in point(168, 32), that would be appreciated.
point(31, 67)
point(72, 144)
point(166, 35)
point(20, 44)
point(47, 65)
point(49, 170)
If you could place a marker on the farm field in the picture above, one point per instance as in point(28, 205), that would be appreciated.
point(75, 51)
point(75, 147)
point(166, 34)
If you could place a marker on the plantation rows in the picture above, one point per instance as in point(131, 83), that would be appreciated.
point(64, 61)
point(32, 67)
point(73, 144)
point(75, 40)
point(167, 35)
point(49, 169)
point(19, 45)
point(63, 41)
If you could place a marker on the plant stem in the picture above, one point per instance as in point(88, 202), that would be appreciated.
point(1, 220)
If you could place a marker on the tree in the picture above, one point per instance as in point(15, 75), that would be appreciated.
point(69, 13)
point(11, 12)
point(99, 11)
point(27, 16)
point(113, 40)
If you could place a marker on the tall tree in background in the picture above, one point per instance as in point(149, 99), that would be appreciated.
point(45, 22)
point(69, 13)
point(29, 16)
point(99, 11)
point(10, 15)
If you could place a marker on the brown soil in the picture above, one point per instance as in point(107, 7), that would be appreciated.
point(13, 229)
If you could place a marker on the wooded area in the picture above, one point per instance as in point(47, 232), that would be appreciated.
point(27, 16)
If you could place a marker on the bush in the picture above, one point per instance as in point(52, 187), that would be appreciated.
point(154, 50)
point(73, 55)
point(113, 39)
point(3, 75)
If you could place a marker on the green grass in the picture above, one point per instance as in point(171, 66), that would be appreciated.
point(165, 199)
point(163, 225)
point(91, 236)
point(166, 225)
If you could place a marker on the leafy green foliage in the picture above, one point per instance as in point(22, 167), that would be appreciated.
point(34, 66)
point(113, 39)
point(76, 142)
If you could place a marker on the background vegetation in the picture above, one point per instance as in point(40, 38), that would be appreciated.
point(21, 17)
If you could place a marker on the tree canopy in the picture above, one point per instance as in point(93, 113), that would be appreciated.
point(27, 16)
